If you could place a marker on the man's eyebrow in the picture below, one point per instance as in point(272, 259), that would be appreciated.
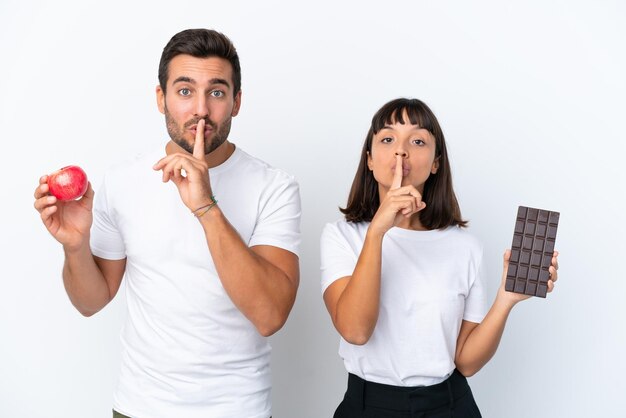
point(219, 81)
point(185, 79)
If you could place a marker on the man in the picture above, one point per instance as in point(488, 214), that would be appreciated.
point(209, 258)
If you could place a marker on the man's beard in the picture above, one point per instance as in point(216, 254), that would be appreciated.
point(220, 134)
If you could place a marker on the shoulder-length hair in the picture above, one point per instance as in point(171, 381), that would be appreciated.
point(442, 208)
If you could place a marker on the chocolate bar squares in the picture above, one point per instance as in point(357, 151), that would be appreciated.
point(531, 251)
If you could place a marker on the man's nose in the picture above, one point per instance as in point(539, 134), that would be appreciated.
point(202, 108)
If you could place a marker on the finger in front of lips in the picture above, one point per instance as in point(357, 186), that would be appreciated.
point(397, 175)
point(198, 146)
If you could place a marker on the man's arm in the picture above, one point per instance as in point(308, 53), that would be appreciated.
point(90, 282)
point(261, 281)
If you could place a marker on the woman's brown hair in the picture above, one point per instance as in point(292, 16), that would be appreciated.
point(442, 208)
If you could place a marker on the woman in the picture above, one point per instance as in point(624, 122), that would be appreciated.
point(401, 277)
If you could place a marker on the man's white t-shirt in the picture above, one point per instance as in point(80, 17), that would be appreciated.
point(187, 351)
point(430, 282)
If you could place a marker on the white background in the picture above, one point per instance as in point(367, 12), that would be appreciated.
point(531, 96)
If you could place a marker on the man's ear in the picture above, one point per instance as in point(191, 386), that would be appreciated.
point(236, 105)
point(160, 96)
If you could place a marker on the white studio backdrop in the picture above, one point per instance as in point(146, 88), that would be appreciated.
point(531, 99)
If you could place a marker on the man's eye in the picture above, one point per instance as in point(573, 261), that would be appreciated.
point(184, 92)
point(217, 93)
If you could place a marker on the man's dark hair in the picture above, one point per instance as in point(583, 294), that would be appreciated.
point(442, 208)
point(200, 43)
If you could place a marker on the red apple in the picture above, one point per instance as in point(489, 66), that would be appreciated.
point(68, 183)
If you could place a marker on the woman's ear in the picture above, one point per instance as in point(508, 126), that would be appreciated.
point(435, 167)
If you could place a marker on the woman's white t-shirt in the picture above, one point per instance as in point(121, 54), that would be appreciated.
point(430, 282)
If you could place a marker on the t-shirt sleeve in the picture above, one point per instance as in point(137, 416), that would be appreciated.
point(475, 303)
point(278, 222)
point(106, 240)
point(338, 259)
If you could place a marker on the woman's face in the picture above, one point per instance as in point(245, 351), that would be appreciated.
point(414, 145)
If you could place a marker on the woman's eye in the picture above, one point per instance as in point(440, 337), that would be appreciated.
point(386, 140)
point(217, 93)
point(419, 142)
point(184, 92)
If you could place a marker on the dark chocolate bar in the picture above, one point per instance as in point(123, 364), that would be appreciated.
point(531, 251)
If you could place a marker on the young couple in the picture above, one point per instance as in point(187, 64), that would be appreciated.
point(211, 266)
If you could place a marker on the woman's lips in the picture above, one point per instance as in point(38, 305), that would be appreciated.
point(405, 170)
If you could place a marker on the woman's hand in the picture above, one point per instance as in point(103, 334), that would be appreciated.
point(400, 203)
point(512, 298)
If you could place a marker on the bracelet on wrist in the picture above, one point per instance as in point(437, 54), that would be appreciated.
point(204, 209)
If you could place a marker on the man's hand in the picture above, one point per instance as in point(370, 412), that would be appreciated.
point(68, 222)
point(190, 173)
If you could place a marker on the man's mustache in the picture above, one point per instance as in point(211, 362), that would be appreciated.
point(195, 121)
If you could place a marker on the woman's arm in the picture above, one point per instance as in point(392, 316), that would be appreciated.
point(477, 343)
point(353, 301)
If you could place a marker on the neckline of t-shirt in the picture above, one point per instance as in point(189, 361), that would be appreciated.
point(232, 160)
point(421, 235)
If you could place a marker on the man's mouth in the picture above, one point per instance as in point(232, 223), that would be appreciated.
point(207, 129)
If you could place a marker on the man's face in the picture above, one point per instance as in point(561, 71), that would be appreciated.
point(198, 88)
